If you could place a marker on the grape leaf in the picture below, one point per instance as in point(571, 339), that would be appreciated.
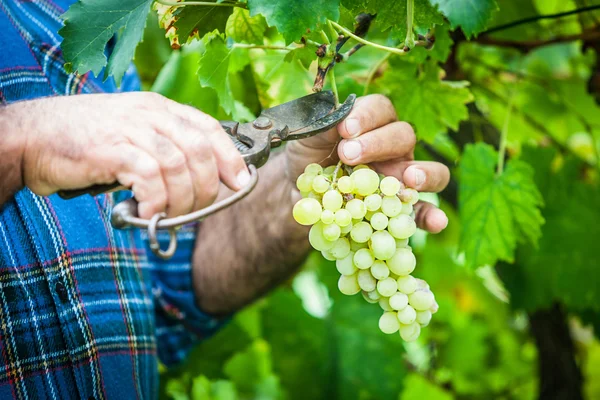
point(243, 28)
point(472, 16)
point(89, 25)
point(417, 387)
point(305, 55)
point(293, 17)
point(496, 211)
point(195, 22)
point(423, 99)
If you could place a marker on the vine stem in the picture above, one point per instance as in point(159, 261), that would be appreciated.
point(410, 40)
point(504, 135)
point(373, 71)
point(260, 46)
point(198, 3)
point(334, 87)
point(366, 42)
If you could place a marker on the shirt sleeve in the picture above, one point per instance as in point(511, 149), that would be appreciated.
point(180, 324)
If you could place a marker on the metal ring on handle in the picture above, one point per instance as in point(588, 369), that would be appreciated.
point(154, 244)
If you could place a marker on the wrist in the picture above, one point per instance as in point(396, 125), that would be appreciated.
point(13, 142)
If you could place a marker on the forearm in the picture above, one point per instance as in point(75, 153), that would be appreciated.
point(249, 248)
point(12, 144)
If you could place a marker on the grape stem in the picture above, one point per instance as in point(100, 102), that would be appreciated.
point(334, 89)
point(198, 3)
point(259, 46)
point(366, 42)
point(373, 72)
point(335, 172)
point(410, 39)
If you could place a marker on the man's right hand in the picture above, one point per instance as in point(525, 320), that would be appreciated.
point(171, 155)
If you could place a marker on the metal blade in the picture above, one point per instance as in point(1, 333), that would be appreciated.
point(302, 112)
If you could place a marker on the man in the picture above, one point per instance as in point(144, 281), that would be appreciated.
point(85, 309)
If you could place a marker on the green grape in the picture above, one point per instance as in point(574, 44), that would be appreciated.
point(345, 229)
point(361, 166)
point(354, 246)
point(345, 184)
point(327, 216)
point(421, 284)
point(340, 249)
point(434, 308)
point(390, 206)
point(373, 202)
point(331, 232)
point(423, 318)
point(320, 184)
point(402, 226)
point(343, 217)
point(403, 262)
point(363, 259)
point(369, 214)
point(380, 270)
point(387, 287)
point(398, 301)
point(407, 284)
point(383, 245)
point(368, 299)
point(316, 238)
point(421, 300)
point(389, 186)
point(307, 211)
point(332, 200)
point(388, 323)
point(366, 181)
point(313, 169)
point(348, 284)
point(329, 171)
point(373, 296)
point(409, 195)
point(384, 303)
point(345, 266)
point(401, 242)
point(327, 255)
point(304, 182)
point(366, 280)
point(314, 195)
point(379, 221)
point(356, 208)
point(407, 315)
point(411, 332)
point(361, 232)
point(407, 209)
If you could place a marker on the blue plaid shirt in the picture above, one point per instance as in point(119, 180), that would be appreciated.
point(85, 310)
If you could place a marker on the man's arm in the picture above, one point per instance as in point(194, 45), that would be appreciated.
point(12, 145)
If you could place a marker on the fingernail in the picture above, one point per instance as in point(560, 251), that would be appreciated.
point(353, 127)
point(352, 149)
point(243, 177)
point(419, 177)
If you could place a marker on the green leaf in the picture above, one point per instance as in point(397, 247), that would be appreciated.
point(243, 28)
point(418, 388)
point(423, 99)
point(305, 55)
point(195, 22)
point(472, 16)
point(89, 25)
point(292, 18)
point(496, 211)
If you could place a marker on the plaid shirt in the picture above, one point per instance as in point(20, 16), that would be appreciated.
point(84, 309)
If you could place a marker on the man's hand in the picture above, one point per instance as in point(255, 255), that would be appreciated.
point(372, 134)
point(172, 156)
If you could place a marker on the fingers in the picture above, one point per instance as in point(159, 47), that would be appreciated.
point(424, 176)
point(394, 140)
point(429, 217)
point(369, 113)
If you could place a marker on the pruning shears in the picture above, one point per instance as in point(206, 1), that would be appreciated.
point(297, 119)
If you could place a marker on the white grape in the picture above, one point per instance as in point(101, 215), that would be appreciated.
point(409, 195)
point(407, 284)
point(372, 202)
point(345, 266)
point(320, 184)
point(366, 280)
point(411, 332)
point(366, 181)
point(384, 303)
point(398, 301)
point(401, 243)
point(368, 299)
point(314, 195)
point(435, 307)
point(340, 249)
point(407, 209)
point(345, 184)
point(421, 284)
point(383, 245)
point(348, 284)
point(331, 232)
point(304, 182)
point(327, 255)
point(407, 315)
point(423, 317)
point(354, 246)
point(388, 323)
point(313, 169)
point(387, 287)
point(373, 296)
point(403, 262)
point(327, 216)
point(307, 211)
point(345, 229)
point(369, 214)
point(316, 238)
point(391, 206)
point(343, 217)
point(361, 232)
point(363, 258)
point(380, 270)
point(421, 300)
point(402, 226)
point(389, 186)
point(379, 221)
point(332, 200)
point(356, 208)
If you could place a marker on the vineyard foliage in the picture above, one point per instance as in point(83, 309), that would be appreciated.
point(512, 109)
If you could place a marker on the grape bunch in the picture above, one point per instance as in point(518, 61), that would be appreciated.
point(362, 222)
